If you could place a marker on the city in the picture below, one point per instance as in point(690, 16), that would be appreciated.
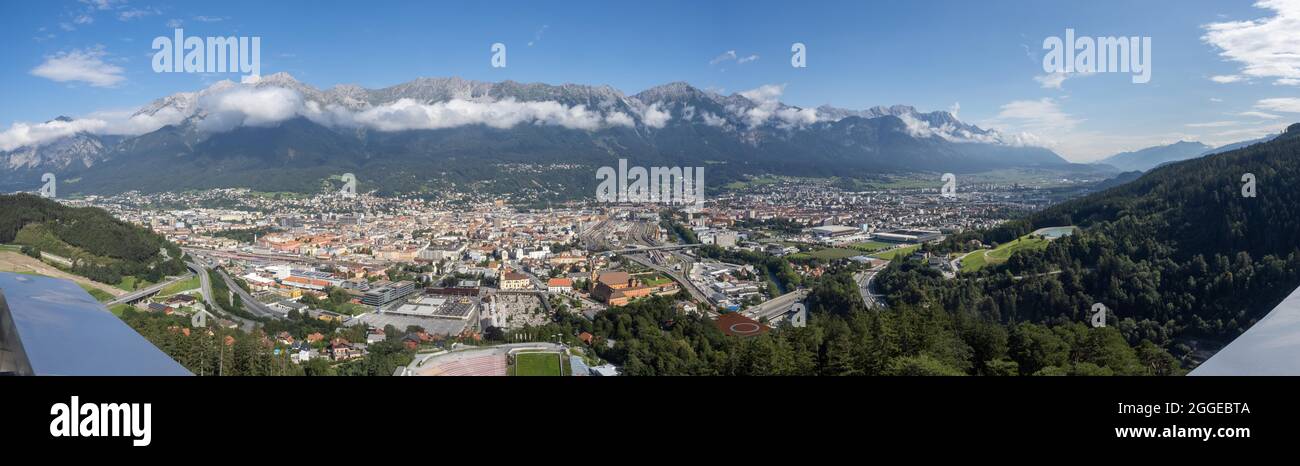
point(438, 273)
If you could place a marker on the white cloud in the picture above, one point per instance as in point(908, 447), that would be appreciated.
point(226, 105)
point(101, 4)
point(1264, 47)
point(766, 100)
point(1043, 115)
point(408, 114)
point(1280, 104)
point(25, 134)
point(83, 19)
point(175, 23)
point(132, 123)
point(1263, 115)
point(209, 19)
point(731, 55)
point(619, 119)
point(1241, 134)
point(655, 117)
point(1052, 81)
point(1055, 80)
point(712, 119)
point(1227, 79)
point(537, 37)
point(726, 56)
point(1213, 124)
point(80, 65)
point(249, 107)
point(134, 13)
point(1041, 123)
point(797, 116)
point(1287, 82)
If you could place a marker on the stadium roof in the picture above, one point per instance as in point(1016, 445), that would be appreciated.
point(50, 326)
point(1270, 347)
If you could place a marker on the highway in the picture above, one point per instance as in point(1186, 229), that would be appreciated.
point(205, 287)
point(690, 287)
point(251, 304)
point(775, 306)
point(141, 294)
point(866, 287)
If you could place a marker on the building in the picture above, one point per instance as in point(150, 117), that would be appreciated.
point(721, 238)
point(559, 285)
point(516, 281)
point(907, 236)
point(383, 292)
point(619, 288)
point(833, 231)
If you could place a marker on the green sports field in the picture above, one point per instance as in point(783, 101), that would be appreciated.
point(539, 364)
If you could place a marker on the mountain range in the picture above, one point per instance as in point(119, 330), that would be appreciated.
point(1151, 157)
point(278, 134)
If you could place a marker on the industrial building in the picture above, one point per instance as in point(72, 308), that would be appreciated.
point(383, 292)
point(907, 236)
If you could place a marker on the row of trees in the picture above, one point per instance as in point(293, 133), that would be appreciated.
point(842, 337)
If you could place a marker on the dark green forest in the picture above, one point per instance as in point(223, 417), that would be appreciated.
point(1180, 256)
point(100, 247)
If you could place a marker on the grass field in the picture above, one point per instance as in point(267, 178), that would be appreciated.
point(183, 285)
point(655, 280)
point(895, 253)
point(99, 295)
point(1000, 254)
point(871, 246)
point(118, 309)
point(540, 364)
point(828, 254)
point(130, 283)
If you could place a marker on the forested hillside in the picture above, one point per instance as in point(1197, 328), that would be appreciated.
point(1180, 256)
point(101, 247)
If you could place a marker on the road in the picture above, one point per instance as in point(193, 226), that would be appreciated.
point(867, 287)
point(141, 294)
point(686, 284)
point(251, 304)
point(205, 287)
point(775, 306)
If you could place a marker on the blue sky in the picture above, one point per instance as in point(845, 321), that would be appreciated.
point(982, 58)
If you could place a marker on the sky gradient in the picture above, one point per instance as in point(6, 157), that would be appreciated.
point(1221, 72)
